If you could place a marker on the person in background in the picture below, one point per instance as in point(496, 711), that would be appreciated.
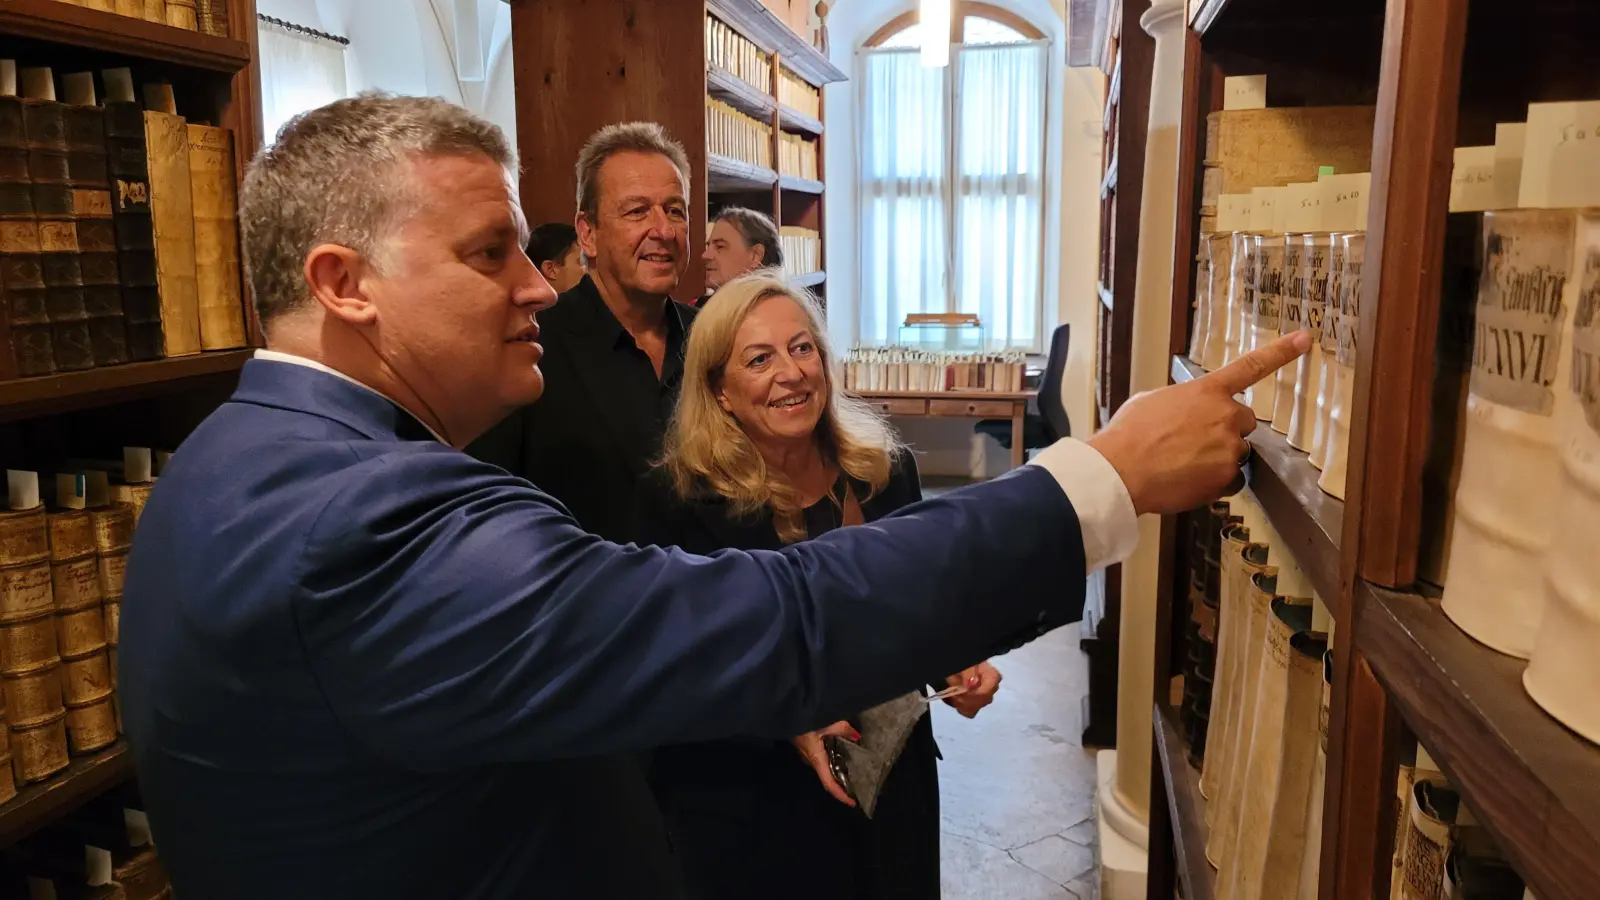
point(765, 450)
point(741, 240)
point(554, 249)
point(614, 343)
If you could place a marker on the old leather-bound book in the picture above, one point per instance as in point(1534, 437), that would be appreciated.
point(213, 17)
point(154, 11)
point(1257, 596)
point(172, 206)
point(27, 348)
point(44, 126)
point(91, 200)
point(216, 237)
point(133, 225)
point(182, 14)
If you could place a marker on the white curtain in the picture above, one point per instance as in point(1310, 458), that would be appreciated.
point(904, 192)
point(298, 72)
point(952, 217)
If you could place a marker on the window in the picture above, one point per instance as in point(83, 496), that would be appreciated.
point(301, 69)
point(952, 180)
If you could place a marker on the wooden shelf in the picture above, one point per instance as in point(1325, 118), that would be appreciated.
point(1210, 14)
point(63, 23)
point(31, 397)
point(734, 91)
point(1309, 519)
point(1187, 808)
point(794, 120)
point(801, 185)
point(729, 175)
point(810, 279)
point(38, 805)
point(752, 19)
point(1532, 782)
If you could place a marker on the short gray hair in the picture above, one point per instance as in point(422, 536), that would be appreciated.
point(757, 229)
point(635, 137)
point(336, 175)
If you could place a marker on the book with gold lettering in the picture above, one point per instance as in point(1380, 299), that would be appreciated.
point(24, 323)
point(172, 209)
point(134, 228)
point(91, 201)
point(44, 126)
point(216, 237)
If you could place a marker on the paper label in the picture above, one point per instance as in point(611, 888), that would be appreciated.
point(1294, 291)
point(1330, 299)
point(1349, 321)
point(1509, 138)
point(1244, 92)
point(1527, 256)
point(1244, 274)
point(1233, 212)
point(1586, 336)
point(19, 237)
point(97, 865)
point(1314, 282)
point(1472, 180)
point(1269, 282)
point(138, 825)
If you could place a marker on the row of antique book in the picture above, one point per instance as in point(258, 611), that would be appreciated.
point(798, 156)
point(63, 560)
point(119, 238)
point(1256, 688)
point(802, 250)
point(910, 369)
point(737, 55)
point(796, 94)
point(205, 16)
point(102, 851)
point(733, 134)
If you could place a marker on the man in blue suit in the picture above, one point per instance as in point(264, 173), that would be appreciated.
point(357, 662)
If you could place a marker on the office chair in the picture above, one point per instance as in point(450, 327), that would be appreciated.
point(1047, 423)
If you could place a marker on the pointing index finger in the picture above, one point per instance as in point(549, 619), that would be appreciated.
point(1260, 363)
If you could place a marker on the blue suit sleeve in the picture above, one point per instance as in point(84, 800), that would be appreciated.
point(455, 615)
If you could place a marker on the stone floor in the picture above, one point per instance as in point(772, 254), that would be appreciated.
point(1016, 789)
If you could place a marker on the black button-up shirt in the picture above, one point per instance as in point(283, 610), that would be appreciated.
point(600, 423)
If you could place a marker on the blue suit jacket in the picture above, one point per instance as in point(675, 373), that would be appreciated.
point(358, 663)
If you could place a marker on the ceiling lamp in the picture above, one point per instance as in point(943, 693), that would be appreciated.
point(935, 20)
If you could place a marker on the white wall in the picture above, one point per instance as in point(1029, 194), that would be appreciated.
point(1072, 159)
point(408, 47)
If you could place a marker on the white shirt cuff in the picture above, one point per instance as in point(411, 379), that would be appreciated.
point(1105, 509)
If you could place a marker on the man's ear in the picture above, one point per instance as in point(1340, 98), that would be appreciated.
point(586, 235)
point(548, 270)
point(333, 275)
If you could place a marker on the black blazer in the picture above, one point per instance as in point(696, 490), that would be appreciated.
point(705, 524)
point(598, 427)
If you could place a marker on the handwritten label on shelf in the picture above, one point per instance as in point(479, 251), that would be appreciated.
point(1586, 326)
point(1344, 201)
point(1263, 209)
point(1244, 92)
point(1472, 180)
point(1550, 125)
point(1526, 264)
point(1233, 212)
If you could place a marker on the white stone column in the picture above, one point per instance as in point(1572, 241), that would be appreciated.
point(1124, 797)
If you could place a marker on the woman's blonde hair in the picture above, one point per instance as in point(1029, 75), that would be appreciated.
point(706, 447)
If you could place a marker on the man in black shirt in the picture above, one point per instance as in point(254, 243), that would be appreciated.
point(614, 343)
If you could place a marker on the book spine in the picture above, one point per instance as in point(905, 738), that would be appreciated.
point(24, 327)
point(44, 123)
point(216, 237)
point(134, 229)
point(97, 242)
point(183, 14)
point(213, 17)
point(154, 11)
point(132, 8)
point(172, 210)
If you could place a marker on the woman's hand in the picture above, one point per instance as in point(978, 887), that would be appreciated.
point(813, 752)
point(981, 681)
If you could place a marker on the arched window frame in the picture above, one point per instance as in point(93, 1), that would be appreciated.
point(959, 11)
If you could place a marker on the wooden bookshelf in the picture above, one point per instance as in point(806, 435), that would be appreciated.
point(1438, 79)
point(1185, 809)
point(153, 403)
point(1531, 781)
point(49, 801)
point(27, 398)
point(137, 40)
point(666, 44)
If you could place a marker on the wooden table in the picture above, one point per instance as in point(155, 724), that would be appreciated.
point(959, 405)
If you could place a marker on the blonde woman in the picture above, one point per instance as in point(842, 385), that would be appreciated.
point(765, 450)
